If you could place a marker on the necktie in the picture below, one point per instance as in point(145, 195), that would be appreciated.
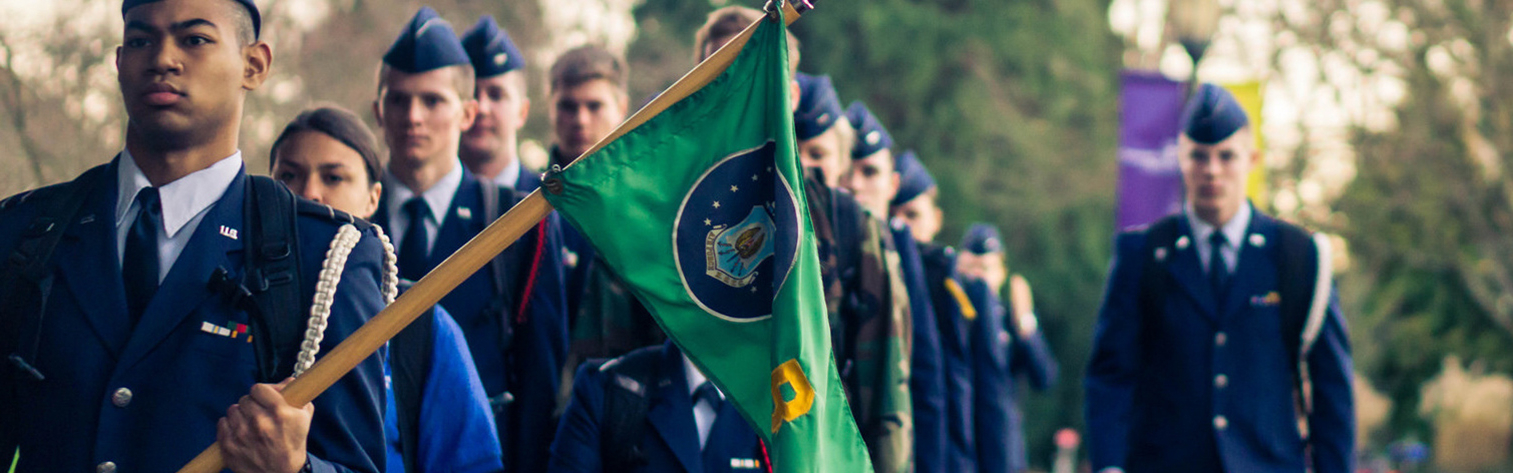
point(1218, 272)
point(139, 262)
point(414, 250)
point(708, 394)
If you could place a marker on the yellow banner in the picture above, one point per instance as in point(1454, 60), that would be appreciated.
point(1249, 95)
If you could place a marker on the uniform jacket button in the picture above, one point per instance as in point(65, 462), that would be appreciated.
point(121, 398)
point(1221, 381)
point(106, 467)
point(1220, 339)
point(1221, 423)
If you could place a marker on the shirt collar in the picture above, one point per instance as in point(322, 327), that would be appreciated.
point(438, 197)
point(181, 199)
point(695, 378)
point(509, 176)
point(1234, 230)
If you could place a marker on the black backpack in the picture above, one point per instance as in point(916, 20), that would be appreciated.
point(1297, 276)
point(628, 382)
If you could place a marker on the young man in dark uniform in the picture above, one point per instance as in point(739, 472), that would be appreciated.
point(133, 350)
point(914, 205)
point(511, 311)
point(1197, 363)
point(490, 148)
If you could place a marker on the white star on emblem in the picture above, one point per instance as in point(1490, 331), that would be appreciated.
point(707, 222)
point(753, 177)
point(753, 289)
point(717, 204)
point(734, 189)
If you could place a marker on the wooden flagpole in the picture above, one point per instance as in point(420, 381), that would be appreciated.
point(473, 255)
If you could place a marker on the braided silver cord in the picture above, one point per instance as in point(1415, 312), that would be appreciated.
point(390, 283)
point(325, 290)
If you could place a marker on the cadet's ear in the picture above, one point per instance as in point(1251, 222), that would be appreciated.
point(378, 113)
point(259, 62)
point(793, 95)
point(469, 113)
point(525, 113)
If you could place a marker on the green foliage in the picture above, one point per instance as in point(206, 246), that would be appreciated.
point(1012, 105)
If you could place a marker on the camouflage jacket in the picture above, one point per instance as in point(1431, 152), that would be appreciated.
point(870, 323)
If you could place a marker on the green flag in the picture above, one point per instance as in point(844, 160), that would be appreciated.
point(701, 210)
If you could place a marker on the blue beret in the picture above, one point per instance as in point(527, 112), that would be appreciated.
point(819, 108)
point(1212, 115)
point(427, 43)
point(913, 178)
point(490, 49)
point(982, 238)
point(257, 18)
point(871, 137)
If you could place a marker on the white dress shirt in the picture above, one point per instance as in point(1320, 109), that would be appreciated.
point(1234, 232)
point(703, 414)
point(185, 202)
point(438, 198)
point(509, 176)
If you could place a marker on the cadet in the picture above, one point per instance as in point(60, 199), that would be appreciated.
point(490, 147)
point(327, 155)
point(825, 142)
point(589, 100)
point(1005, 344)
point(511, 312)
point(868, 305)
point(1206, 316)
point(179, 284)
point(651, 410)
point(914, 204)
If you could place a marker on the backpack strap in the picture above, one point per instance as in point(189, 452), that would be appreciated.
point(503, 300)
point(628, 381)
point(410, 362)
point(27, 279)
point(271, 277)
point(1306, 283)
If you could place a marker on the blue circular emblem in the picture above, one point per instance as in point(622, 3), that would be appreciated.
point(736, 236)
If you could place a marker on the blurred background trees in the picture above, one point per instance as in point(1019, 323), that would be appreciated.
point(1388, 123)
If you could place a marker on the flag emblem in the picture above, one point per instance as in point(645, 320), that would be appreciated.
point(736, 235)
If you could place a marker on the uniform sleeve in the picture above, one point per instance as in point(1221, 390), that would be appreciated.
point(927, 382)
point(1116, 352)
point(1332, 423)
point(576, 446)
point(456, 423)
point(346, 433)
point(540, 355)
point(882, 400)
point(1031, 357)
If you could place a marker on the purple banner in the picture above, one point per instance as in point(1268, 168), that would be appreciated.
point(1150, 183)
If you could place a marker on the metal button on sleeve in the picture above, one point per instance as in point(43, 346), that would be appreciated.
point(121, 398)
point(106, 467)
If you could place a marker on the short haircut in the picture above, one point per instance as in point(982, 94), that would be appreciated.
point(339, 124)
point(462, 79)
point(727, 22)
point(586, 63)
point(241, 20)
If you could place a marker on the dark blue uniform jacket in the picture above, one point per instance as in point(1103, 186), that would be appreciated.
point(1197, 387)
point(180, 378)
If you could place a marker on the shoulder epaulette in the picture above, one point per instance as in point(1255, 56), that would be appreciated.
point(314, 209)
